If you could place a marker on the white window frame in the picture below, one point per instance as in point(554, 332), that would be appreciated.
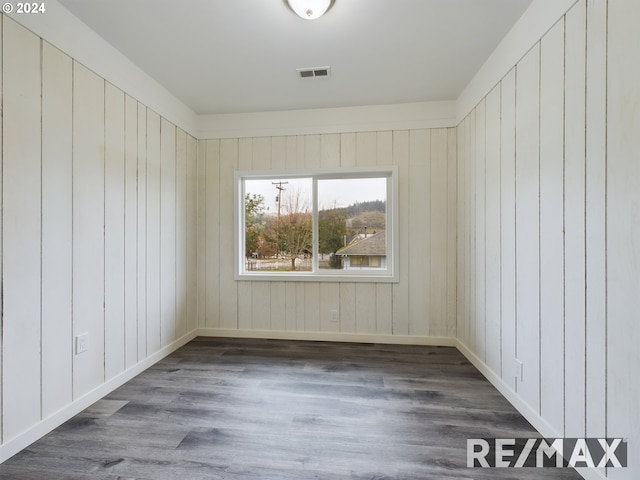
point(388, 275)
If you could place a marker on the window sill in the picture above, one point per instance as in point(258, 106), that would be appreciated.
point(306, 277)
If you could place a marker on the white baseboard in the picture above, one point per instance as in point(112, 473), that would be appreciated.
point(328, 337)
point(523, 407)
point(16, 444)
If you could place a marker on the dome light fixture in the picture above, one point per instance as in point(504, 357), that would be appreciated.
point(310, 9)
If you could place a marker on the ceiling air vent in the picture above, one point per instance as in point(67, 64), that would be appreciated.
point(313, 72)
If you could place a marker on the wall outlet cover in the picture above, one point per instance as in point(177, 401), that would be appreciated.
point(82, 343)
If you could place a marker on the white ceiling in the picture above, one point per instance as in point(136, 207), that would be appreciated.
point(234, 56)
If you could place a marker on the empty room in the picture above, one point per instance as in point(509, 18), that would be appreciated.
point(328, 239)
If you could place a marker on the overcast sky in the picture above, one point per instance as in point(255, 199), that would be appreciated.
point(341, 193)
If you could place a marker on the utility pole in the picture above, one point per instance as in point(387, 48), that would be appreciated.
point(279, 186)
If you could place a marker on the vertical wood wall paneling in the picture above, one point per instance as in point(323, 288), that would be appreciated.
point(114, 188)
point(384, 291)
point(130, 230)
point(312, 306)
point(261, 291)
point(153, 233)
point(361, 307)
point(507, 226)
point(329, 151)
point(57, 334)
point(437, 231)
point(212, 222)
point(419, 246)
point(493, 318)
point(527, 224)
point(228, 285)
point(452, 233)
point(400, 322)
point(290, 305)
point(365, 307)
point(574, 221)
point(76, 237)
point(201, 223)
point(278, 154)
point(471, 148)
point(291, 154)
point(623, 232)
point(347, 150)
point(1, 234)
point(277, 303)
point(192, 234)
point(480, 252)
point(329, 300)
point(88, 227)
point(167, 232)
point(21, 230)
point(300, 306)
point(142, 233)
point(245, 302)
point(552, 226)
point(347, 307)
point(595, 226)
point(299, 159)
point(181, 233)
point(461, 290)
point(312, 152)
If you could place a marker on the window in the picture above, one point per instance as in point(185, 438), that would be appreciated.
point(334, 226)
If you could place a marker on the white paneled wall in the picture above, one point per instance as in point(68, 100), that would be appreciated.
point(548, 229)
point(57, 230)
point(623, 231)
point(1, 234)
point(518, 234)
point(98, 235)
point(422, 305)
point(21, 178)
point(574, 220)
point(114, 259)
point(551, 223)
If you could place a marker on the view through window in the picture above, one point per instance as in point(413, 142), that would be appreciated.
point(317, 224)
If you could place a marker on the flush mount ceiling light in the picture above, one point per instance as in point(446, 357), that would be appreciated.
point(310, 9)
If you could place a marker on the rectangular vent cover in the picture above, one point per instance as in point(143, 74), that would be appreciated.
point(314, 72)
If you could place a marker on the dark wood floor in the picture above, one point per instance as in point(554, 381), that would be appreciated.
point(264, 409)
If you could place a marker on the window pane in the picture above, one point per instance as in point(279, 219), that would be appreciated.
point(278, 225)
point(352, 218)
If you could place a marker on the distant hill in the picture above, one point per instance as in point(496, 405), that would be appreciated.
point(358, 216)
point(357, 208)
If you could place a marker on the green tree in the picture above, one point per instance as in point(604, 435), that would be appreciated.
point(253, 220)
point(331, 232)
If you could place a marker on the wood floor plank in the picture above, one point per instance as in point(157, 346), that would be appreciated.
point(240, 408)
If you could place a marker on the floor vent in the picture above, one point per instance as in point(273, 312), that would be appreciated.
point(314, 72)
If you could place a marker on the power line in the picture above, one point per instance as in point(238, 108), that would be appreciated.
point(279, 186)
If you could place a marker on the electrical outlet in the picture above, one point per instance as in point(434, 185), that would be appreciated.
point(519, 367)
point(334, 316)
point(82, 343)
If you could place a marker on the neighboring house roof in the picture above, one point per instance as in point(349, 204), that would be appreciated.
point(372, 245)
